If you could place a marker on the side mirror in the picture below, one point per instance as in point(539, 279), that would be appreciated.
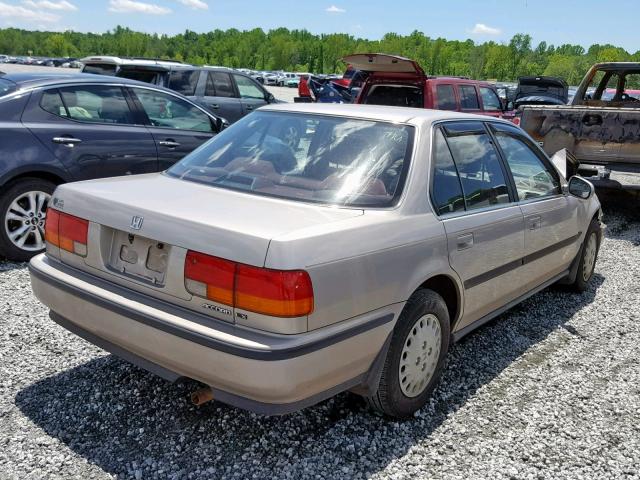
point(270, 98)
point(221, 123)
point(581, 188)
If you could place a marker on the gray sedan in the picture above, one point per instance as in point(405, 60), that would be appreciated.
point(279, 275)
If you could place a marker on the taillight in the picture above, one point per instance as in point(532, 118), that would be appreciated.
point(277, 293)
point(273, 292)
point(210, 277)
point(66, 232)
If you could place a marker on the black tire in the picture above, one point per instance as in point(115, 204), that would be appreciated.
point(13, 191)
point(389, 398)
point(291, 133)
point(584, 275)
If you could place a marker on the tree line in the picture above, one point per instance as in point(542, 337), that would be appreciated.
point(300, 50)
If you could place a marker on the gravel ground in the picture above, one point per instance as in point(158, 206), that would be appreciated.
point(549, 390)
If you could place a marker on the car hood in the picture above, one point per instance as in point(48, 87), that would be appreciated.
point(380, 62)
point(233, 225)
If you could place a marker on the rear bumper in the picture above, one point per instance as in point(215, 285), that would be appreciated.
point(265, 373)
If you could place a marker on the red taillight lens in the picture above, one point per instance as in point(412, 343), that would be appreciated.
point(210, 277)
point(67, 232)
point(273, 292)
point(278, 293)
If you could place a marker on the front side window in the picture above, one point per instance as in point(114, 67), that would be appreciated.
point(445, 97)
point(532, 177)
point(469, 98)
point(168, 111)
point(51, 102)
point(6, 87)
point(481, 174)
point(447, 190)
point(184, 81)
point(337, 160)
point(490, 101)
point(96, 104)
point(248, 88)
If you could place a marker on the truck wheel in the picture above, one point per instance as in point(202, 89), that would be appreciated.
point(588, 257)
point(23, 209)
point(415, 359)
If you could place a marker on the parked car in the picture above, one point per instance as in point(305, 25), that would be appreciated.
point(601, 130)
point(540, 91)
point(401, 82)
point(4, 59)
point(351, 262)
point(225, 92)
point(57, 128)
point(285, 77)
point(293, 82)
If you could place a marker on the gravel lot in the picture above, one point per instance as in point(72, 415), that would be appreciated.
point(549, 390)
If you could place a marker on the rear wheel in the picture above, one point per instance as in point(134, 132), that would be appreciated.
point(415, 358)
point(23, 209)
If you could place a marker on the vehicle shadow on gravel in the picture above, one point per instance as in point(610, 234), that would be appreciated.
point(131, 423)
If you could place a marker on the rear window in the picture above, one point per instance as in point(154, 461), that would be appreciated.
point(6, 87)
point(445, 97)
point(469, 98)
point(100, 68)
point(184, 81)
point(311, 158)
point(395, 96)
point(147, 76)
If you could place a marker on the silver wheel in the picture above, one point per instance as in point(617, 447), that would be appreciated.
point(291, 136)
point(590, 250)
point(420, 355)
point(24, 220)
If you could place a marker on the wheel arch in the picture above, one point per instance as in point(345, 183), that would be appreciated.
point(52, 175)
point(450, 290)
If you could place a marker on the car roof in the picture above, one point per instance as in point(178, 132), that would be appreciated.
point(31, 80)
point(378, 112)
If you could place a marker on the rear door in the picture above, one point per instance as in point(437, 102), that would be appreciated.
point(252, 95)
point(491, 104)
point(551, 217)
point(92, 130)
point(178, 126)
point(469, 99)
point(219, 95)
point(484, 224)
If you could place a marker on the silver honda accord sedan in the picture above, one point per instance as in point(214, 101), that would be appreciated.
point(280, 273)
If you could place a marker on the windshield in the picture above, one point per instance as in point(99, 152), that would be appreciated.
point(313, 158)
point(6, 87)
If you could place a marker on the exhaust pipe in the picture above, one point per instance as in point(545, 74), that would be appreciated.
point(202, 396)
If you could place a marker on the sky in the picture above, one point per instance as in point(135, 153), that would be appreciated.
point(583, 22)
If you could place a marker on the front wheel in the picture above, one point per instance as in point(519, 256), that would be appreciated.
point(588, 257)
point(23, 209)
point(415, 358)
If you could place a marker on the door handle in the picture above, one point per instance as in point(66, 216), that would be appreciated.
point(68, 141)
point(592, 119)
point(535, 223)
point(249, 107)
point(465, 241)
point(169, 143)
point(215, 106)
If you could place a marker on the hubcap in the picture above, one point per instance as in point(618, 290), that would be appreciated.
point(420, 355)
point(24, 220)
point(589, 257)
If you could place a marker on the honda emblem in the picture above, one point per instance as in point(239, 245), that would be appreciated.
point(136, 222)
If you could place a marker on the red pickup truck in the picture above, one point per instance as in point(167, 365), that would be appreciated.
point(401, 82)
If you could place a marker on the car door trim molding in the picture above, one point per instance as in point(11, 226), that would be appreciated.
point(508, 267)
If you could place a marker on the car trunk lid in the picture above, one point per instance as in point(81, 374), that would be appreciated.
point(379, 62)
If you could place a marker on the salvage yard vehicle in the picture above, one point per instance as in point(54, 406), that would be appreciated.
point(57, 128)
point(541, 91)
point(401, 82)
point(601, 126)
point(348, 263)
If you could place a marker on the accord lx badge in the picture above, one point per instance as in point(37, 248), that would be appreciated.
point(136, 222)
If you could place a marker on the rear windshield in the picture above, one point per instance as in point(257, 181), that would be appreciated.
point(312, 158)
point(100, 68)
point(6, 87)
point(395, 96)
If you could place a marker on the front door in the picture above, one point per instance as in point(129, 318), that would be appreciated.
point(551, 218)
point(220, 97)
point(484, 226)
point(252, 95)
point(91, 130)
point(178, 126)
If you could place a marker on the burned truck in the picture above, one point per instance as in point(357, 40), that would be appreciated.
point(600, 128)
